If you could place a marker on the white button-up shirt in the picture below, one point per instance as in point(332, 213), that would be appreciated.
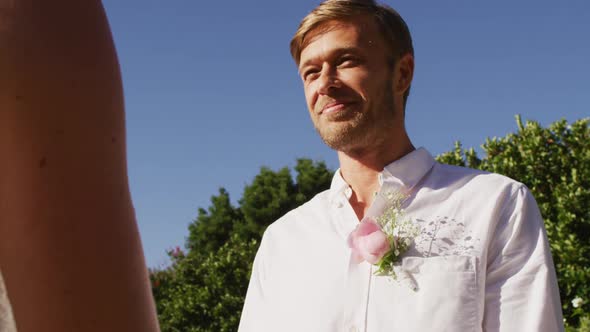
point(481, 261)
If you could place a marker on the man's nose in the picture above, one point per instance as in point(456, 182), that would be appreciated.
point(328, 80)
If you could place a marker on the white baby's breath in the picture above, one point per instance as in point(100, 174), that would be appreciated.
point(577, 302)
point(400, 231)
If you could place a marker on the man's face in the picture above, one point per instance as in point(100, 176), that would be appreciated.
point(348, 83)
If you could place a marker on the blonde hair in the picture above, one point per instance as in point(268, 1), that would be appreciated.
point(394, 29)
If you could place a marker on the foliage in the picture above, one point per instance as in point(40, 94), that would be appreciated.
point(554, 163)
point(204, 288)
point(204, 292)
point(212, 228)
point(583, 327)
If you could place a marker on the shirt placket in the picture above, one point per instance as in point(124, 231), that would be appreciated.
point(387, 184)
point(358, 276)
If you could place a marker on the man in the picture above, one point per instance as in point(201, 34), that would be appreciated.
point(479, 261)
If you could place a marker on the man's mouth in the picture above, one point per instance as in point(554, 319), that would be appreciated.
point(334, 107)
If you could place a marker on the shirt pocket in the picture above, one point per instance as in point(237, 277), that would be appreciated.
point(446, 299)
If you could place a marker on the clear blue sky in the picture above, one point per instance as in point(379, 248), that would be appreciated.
point(212, 93)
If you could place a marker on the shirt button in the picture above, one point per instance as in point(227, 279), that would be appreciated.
point(353, 329)
point(348, 192)
point(339, 204)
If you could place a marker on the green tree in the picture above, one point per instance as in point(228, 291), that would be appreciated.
point(204, 292)
point(554, 162)
point(204, 288)
point(213, 227)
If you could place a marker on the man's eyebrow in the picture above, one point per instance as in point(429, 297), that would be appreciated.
point(333, 54)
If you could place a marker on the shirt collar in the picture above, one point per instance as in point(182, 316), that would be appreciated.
point(410, 169)
point(406, 171)
point(338, 186)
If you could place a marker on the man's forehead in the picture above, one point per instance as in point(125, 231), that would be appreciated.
point(357, 32)
point(360, 24)
point(323, 29)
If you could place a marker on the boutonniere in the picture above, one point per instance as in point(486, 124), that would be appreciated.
point(383, 240)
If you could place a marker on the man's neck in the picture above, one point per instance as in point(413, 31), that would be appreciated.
point(360, 170)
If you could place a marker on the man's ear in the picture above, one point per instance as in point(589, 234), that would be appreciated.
point(404, 73)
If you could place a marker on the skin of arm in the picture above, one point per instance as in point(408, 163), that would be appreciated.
point(70, 250)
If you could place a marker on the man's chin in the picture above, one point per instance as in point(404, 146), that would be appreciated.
point(343, 143)
point(342, 135)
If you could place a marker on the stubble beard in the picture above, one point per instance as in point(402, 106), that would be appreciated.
point(364, 128)
point(344, 135)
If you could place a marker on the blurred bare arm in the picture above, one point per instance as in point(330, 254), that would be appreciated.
point(70, 250)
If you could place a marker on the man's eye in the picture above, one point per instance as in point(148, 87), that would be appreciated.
point(347, 61)
point(310, 74)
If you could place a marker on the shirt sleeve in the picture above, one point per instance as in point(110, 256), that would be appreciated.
point(255, 315)
point(7, 323)
point(521, 292)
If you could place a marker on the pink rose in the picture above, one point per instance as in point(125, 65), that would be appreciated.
point(368, 242)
